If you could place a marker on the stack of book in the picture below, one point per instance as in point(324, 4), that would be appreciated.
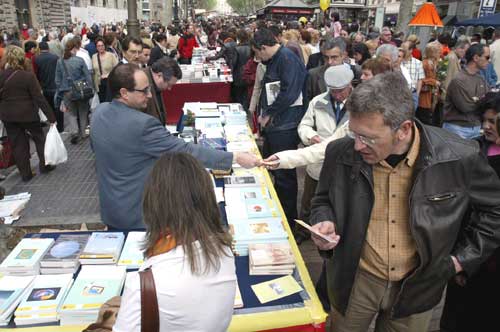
point(63, 256)
point(94, 285)
point(270, 258)
point(12, 291)
point(43, 299)
point(234, 115)
point(102, 248)
point(250, 202)
point(132, 255)
point(247, 232)
point(24, 259)
point(237, 133)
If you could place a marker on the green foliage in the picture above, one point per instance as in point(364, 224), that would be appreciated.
point(245, 7)
point(206, 4)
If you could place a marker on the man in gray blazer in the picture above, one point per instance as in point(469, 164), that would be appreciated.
point(127, 142)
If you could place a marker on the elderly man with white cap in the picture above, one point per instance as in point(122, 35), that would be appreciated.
point(324, 116)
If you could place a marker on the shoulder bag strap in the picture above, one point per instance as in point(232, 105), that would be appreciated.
point(99, 63)
point(150, 318)
point(7, 80)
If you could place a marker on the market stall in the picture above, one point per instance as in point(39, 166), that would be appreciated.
point(298, 311)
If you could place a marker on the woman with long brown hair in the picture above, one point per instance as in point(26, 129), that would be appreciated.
point(20, 98)
point(187, 250)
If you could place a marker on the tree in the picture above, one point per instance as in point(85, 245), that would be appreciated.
point(206, 4)
point(404, 16)
point(245, 7)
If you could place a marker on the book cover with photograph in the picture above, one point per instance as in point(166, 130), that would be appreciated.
point(65, 251)
point(276, 289)
point(26, 255)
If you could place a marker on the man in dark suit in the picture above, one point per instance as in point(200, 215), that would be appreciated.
point(46, 64)
point(333, 52)
point(162, 75)
point(127, 142)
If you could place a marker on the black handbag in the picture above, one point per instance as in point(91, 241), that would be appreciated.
point(80, 90)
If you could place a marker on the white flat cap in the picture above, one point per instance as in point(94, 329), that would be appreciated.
point(338, 77)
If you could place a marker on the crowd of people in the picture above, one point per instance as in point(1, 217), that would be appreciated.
point(401, 143)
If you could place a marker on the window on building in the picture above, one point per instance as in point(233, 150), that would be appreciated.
point(92, 2)
point(145, 5)
point(105, 3)
point(116, 3)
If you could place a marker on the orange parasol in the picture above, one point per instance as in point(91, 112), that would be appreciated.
point(427, 16)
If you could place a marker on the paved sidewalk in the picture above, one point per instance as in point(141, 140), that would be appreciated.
point(65, 197)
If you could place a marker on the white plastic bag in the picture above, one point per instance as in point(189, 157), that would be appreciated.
point(94, 102)
point(55, 151)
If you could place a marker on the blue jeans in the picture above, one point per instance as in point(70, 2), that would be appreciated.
point(415, 100)
point(464, 132)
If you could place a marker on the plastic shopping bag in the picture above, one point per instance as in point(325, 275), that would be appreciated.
point(55, 151)
point(94, 102)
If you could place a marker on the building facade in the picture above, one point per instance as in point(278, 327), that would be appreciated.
point(38, 13)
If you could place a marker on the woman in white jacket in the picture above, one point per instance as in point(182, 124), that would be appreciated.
point(324, 120)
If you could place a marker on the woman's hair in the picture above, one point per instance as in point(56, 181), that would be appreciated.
point(363, 50)
point(490, 101)
point(70, 45)
point(306, 36)
point(14, 58)
point(179, 200)
point(100, 39)
point(109, 37)
point(371, 44)
point(376, 66)
point(29, 45)
point(432, 50)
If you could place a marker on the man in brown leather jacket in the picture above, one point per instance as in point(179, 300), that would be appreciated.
point(393, 198)
point(162, 75)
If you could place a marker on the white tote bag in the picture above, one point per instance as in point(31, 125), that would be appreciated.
point(55, 151)
point(94, 102)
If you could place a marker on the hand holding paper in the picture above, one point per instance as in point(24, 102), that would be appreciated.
point(323, 234)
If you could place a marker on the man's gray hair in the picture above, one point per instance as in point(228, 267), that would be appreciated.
point(331, 43)
point(388, 49)
point(53, 35)
point(386, 94)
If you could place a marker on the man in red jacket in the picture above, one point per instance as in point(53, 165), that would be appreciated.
point(186, 44)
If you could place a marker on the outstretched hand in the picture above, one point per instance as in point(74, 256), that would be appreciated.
point(272, 162)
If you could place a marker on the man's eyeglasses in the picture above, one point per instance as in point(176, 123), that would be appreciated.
point(145, 91)
point(365, 140)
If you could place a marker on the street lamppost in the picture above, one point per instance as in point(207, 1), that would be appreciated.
point(176, 11)
point(132, 22)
